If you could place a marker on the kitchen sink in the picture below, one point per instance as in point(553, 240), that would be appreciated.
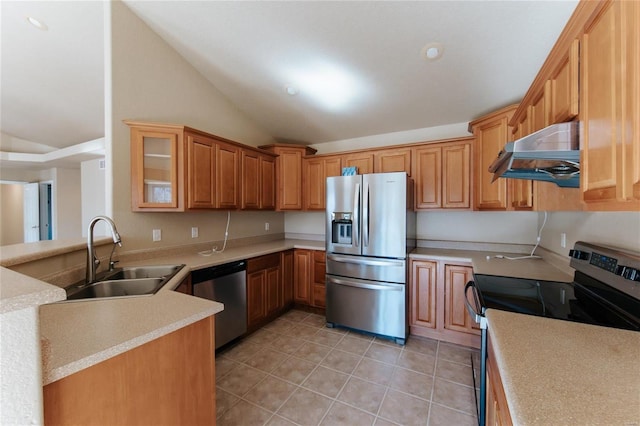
point(125, 282)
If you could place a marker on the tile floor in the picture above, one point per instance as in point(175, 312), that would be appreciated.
point(295, 371)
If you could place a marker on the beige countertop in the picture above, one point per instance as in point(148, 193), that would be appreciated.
point(18, 291)
point(486, 263)
point(558, 372)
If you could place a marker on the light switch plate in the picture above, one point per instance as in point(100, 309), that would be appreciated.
point(157, 235)
point(194, 232)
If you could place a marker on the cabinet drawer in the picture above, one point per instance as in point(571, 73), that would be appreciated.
point(263, 262)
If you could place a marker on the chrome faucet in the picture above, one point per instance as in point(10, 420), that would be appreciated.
point(92, 260)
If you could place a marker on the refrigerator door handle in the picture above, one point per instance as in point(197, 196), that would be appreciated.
point(361, 261)
point(356, 216)
point(365, 215)
point(366, 286)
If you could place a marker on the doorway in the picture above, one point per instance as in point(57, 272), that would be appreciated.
point(38, 224)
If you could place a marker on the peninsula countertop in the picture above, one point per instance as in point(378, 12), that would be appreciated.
point(566, 373)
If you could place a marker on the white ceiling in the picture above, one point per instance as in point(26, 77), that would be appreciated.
point(52, 81)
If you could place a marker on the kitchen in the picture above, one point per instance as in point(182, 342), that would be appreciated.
point(135, 89)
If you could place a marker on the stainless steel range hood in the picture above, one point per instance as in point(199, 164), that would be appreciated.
point(551, 154)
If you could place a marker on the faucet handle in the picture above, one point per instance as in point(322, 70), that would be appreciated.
point(112, 264)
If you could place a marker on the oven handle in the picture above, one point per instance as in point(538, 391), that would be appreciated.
point(476, 316)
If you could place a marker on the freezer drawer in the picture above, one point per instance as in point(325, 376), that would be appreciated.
point(372, 306)
point(368, 268)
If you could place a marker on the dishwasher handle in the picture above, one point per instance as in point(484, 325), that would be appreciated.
point(213, 272)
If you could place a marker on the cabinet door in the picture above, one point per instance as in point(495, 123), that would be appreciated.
point(456, 176)
point(491, 132)
point(314, 191)
point(423, 293)
point(286, 262)
point(156, 175)
point(392, 160)
point(456, 316)
point(256, 297)
point(520, 191)
point(201, 172)
point(497, 408)
point(427, 173)
point(267, 183)
point(363, 161)
point(319, 272)
point(250, 180)
point(227, 176)
point(302, 276)
point(564, 86)
point(289, 178)
point(273, 290)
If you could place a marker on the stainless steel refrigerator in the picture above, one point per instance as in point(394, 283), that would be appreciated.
point(370, 228)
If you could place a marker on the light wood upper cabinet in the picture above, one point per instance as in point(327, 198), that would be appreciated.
point(564, 86)
point(442, 174)
point(392, 160)
point(258, 181)
point(609, 97)
point(157, 168)
point(363, 161)
point(289, 174)
point(201, 171)
point(491, 132)
point(227, 176)
point(315, 173)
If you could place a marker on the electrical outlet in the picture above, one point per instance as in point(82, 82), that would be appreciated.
point(194, 232)
point(157, 235)
point(563, 240)
point(266, 226)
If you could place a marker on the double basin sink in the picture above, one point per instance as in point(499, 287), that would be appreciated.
point(127, 281)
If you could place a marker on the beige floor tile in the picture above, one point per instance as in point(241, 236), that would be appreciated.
point(240, 380)
point(279, 326)
point(302, 331)
point(353, 345)
point(325, 381)
point(454, 372)
point(382, 422)
point(387, 342)
point(295, 315)
point(315, 320)
point(341, 361)
point(242, 351)
point(383, 353)
point(404, 409)
point(294, 370)
point(270, 393)
point(312, 352)
point(305, 407)
point(374, 371)
point(262, 337)
point(280, 421)
point(364, 395)
point(443, 416)
point(454, 396)
point(243, 414)
point(412, 382)
point(224, 366)
point(224, 401)
point(360, 335)
point(454, 353)
point(287, 344)
point(423, 345)
point(325, 337)
point(267, 360)
point(338, 330)
point(417, 362)
point(341, 414)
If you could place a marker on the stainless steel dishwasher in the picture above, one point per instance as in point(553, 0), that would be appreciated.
point(226, 284)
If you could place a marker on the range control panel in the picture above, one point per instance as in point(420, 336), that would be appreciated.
point(605, 262)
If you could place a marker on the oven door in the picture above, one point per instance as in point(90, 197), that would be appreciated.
point(477, 313)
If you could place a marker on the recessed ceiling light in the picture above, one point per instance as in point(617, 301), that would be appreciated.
point(291, 90)
point(432, 51)
point(37, 23)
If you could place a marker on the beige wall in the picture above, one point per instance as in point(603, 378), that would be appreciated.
point(151, 81)
point(93, 195)
point(11, 214)
point(67, 206)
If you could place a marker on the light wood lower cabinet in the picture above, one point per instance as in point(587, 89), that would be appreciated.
point(168, 381)
point(309, 278)
point(264, 289)
point(436, 300)
point(286, 268)
point(497, 413)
